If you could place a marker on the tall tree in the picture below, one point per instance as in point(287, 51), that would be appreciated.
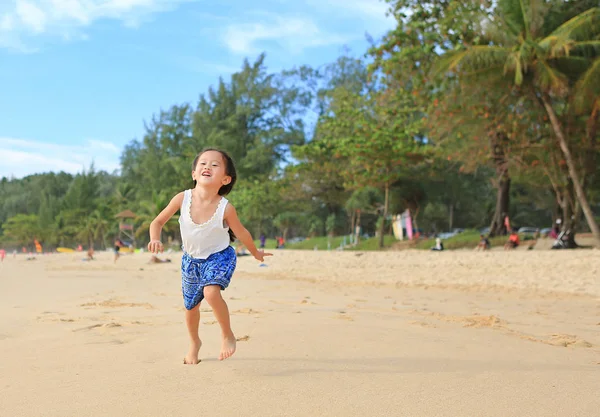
point(549, 63)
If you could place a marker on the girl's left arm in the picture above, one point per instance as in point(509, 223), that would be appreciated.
point(241, 233)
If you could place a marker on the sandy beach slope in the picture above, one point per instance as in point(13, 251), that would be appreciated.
point(320, 334)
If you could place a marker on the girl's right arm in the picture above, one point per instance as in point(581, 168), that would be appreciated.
point(157, 224)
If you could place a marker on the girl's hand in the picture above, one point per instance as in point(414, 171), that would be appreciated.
point(155, 246)
point(260, 255)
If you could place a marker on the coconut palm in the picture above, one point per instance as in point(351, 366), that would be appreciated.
point(149, 210)
point(552, 64)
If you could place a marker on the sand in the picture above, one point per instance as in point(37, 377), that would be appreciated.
point(320, 334)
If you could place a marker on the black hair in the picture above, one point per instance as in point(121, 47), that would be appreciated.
point(229, 171)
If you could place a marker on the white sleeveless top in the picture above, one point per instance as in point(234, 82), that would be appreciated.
point(202, 240)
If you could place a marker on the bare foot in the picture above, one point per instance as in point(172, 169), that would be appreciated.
point(227, 347)
point(192, 357)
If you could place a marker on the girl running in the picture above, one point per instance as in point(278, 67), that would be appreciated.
point(208, 225)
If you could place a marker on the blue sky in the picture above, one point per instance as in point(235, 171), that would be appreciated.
point(79, 77)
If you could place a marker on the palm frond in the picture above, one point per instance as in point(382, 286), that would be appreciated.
point(550, 79)
point(587, 89)
point(554, 46)
point(572, 66)
point(513, 14)
point(589, 48)
point(582, 27)
point(535, 14)
point(472, 60)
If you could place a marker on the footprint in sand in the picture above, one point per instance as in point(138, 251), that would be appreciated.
point(51, 316)
point(243, 338)
point(245, 311)
point(95, 326)
point(567, 340)
point(116, 304)
point(208, 323)
point(343, 316)
point(423, 324)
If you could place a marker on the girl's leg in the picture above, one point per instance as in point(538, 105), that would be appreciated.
point(192, 321)
point(212, 294)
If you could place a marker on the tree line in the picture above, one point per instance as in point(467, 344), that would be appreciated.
point(464, 113)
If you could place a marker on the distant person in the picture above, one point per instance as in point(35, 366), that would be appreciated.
point(118, 245)
point(439, 246)
point(208, 226)
point(2, 255)
point(240, 250)
point(263, 241)
point(280, 242)
point(90, 254)
point(484, 243)
point(555, 229)
point(513, 241)
point(156, 260)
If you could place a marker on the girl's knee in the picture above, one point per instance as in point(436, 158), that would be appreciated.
point(212, 293)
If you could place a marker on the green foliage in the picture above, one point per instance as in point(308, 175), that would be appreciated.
point(456, 97)
point(373, 244)
point(320, 242)
point(22, 229)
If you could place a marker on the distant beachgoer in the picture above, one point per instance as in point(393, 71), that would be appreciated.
point(156, 260)
point(118, 245)
point(208, 225)
point(90, 254)
point(507, 223)
point(513, 241)
point(484, 243)
point(439, 246)
point(2, 255)
point(263, 240)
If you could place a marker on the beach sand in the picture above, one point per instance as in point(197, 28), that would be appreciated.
point(406, 333)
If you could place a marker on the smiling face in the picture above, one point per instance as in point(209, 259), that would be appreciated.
point(211, 169)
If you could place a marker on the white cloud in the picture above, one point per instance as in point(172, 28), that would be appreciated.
point(23, 19)
point(294, 34)
point(22, 157)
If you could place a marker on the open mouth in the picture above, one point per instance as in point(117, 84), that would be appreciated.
point(206, 174)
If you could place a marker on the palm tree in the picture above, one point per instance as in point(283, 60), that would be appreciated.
point(149, 210)
point(553, 65)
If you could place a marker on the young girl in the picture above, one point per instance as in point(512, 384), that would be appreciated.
point(206, 222)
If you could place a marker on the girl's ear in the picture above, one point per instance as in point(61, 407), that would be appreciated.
point(226, 180)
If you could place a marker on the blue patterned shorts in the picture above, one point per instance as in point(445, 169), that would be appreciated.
point(196, 274)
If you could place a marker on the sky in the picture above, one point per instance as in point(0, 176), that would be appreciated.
point(78, 78)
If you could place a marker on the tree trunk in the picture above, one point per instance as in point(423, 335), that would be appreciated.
point(414, 216)
point(579, 191)
point(385, 210)
point(497, 226)
point(450, 216)
point(569, 220)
